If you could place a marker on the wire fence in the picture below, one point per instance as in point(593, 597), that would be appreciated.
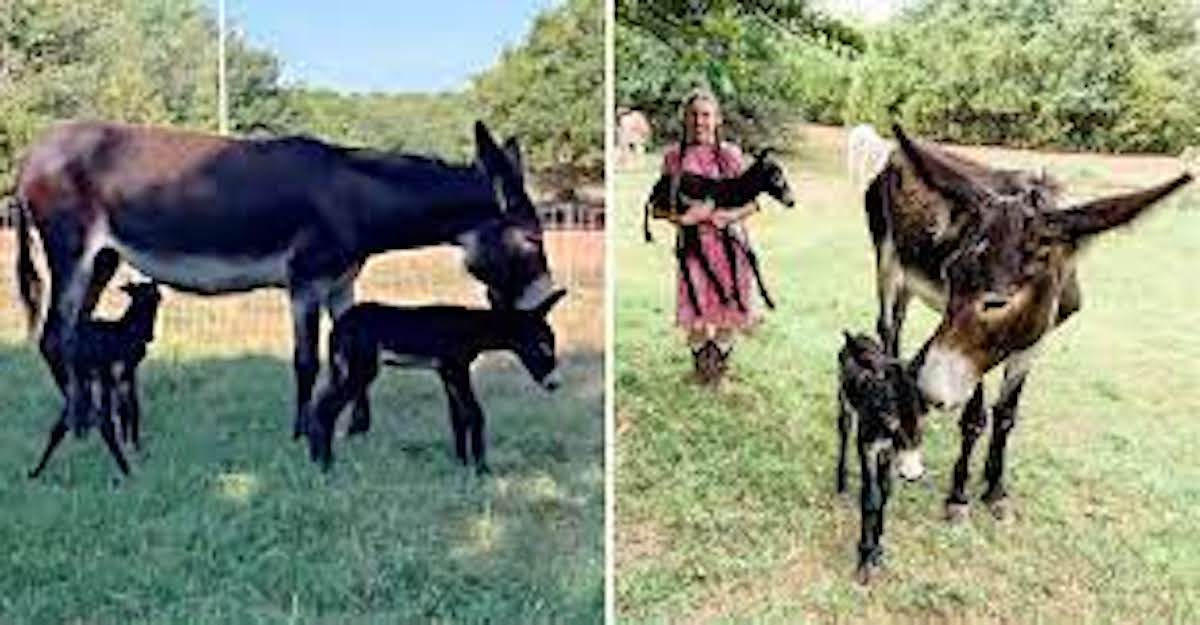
point(260, 321)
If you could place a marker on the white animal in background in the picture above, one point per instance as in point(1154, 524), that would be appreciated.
point(866, 154)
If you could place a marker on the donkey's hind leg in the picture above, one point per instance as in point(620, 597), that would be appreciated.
point(71, 247)
point(56, 435)
point(456, 382)
point(129, 411)
point(107, 423)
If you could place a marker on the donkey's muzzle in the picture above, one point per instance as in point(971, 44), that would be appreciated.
point(909, 465)
point(552, 381)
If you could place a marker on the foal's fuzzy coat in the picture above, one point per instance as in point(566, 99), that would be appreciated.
point(106, 360)
point(444, 338)
point(880, 392)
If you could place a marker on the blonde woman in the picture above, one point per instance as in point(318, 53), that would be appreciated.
point(701, 152)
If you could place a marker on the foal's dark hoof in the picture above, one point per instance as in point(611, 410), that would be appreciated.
point(482, 470)
point(957, 512)
point(357, 428)
point(320, 451)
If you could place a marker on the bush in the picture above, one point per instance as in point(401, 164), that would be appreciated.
point(1079, 74)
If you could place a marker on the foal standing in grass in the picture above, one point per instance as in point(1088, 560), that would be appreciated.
point(446, 339)
point(106, 362)
point(877, 396)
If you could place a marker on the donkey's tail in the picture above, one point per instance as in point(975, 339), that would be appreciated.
point(29, 283)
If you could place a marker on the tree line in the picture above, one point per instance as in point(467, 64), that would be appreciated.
point(156, 63)
point(1105, 75)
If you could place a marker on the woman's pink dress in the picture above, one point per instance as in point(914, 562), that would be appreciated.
point(702, 160)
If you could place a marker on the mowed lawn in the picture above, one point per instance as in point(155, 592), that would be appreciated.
point(226, 521)
point(726, 505)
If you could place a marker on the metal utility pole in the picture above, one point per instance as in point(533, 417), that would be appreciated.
point(222, 93)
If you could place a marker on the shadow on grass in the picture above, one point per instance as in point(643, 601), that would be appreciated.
point(226, 520)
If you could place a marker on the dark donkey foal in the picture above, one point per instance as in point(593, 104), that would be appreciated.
point(444, 338)
point(880, 391)
point(670, 195)
point(106, 363)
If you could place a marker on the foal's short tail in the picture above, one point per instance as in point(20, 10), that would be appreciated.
point(29, 283)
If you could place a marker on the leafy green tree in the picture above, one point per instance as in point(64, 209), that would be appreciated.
point(549, 91)
point(125, 60)
point(1084, 74)
point(768, 62)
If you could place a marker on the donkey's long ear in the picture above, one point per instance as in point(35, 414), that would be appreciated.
point(512, 149)
point(487, 152)
point(1091, 218)
point(940, 175)
point(543, 309)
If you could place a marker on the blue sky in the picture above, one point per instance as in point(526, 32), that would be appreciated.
point(384, 45)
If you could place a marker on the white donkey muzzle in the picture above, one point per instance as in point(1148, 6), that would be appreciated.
point(946, 378)
point(909, 464)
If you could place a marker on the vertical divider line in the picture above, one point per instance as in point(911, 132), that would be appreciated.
point(610, 441)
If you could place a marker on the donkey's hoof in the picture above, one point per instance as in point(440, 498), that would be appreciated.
point(1001, 510)
point(866, 573)
point(357, 428)
point(957, 512)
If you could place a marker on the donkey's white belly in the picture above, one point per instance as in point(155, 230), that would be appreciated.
point(208, 274)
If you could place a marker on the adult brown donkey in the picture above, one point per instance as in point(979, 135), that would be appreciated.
point(209, 214)
point(990, 250)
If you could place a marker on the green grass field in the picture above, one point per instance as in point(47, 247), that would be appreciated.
point(226, 521)
point(726, 506)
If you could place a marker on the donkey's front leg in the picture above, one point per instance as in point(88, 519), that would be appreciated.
point(971, 425)
point(1004, 415)
point(893, 298)
point(845, 421)
point(305, 324)
point(455, 381)
point(875, 461)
